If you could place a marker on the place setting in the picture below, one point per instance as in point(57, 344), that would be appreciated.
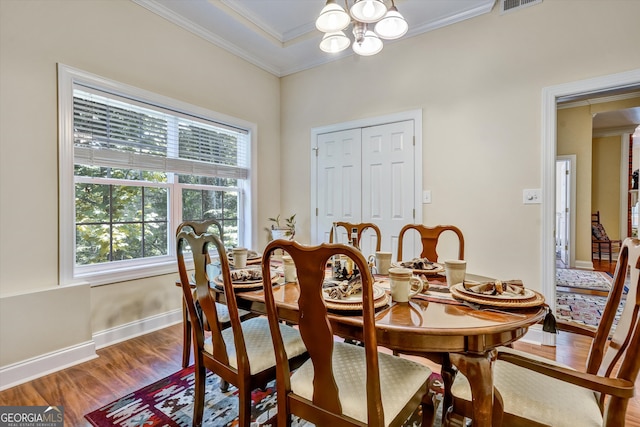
point(343, 291)
point(244, 279)
point(497, 293)
point(420, 266)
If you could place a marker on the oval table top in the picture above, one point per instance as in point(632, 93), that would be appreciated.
point(418, 325)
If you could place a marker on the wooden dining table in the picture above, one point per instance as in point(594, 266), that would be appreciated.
point(441, 329)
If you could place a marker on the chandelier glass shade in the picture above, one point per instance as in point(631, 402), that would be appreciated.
point(371, 20)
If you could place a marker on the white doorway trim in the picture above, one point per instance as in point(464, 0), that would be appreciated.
point(415, 115)
point(550, 96)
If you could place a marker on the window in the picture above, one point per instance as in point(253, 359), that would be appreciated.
point(133, 165)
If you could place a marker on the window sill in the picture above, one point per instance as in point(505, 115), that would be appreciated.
point(116, 275)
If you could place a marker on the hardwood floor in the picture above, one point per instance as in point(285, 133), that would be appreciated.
point(119, 369)
point(130, 365)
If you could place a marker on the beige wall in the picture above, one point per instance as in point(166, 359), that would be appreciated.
point(122, 41)
point(478, 83)
point(607, 153)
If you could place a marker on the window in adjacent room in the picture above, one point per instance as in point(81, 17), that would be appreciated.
point(133, 165)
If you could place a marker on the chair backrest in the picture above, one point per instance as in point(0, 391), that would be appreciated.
point(201, 227)
point(316, 331)
point(201, 245)
point(597, 229)
point(614, 351)
point(429, 237)
point(360, 227)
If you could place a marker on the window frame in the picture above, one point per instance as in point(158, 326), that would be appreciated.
point(118, 271)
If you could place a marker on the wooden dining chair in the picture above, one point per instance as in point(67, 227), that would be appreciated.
point(342, 384)
point(429, 237)
point(200, 227)
point(535, 391)
point(360, 227)
point(242, 354)
point(600, 241)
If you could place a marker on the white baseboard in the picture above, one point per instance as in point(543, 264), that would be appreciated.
point(535, 335)
point(30, 369)
point(584, 265)
point(135, 329)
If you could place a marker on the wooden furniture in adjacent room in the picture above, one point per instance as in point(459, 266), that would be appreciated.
point(535, 391)
point(600, 241)
point(429, 237)
point(241, 354)
point(342, 384)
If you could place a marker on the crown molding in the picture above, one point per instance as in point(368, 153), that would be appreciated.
point(614, 131)
point(480, 10)
point(206, 35)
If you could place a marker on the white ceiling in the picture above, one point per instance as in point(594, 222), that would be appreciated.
point(280, 36)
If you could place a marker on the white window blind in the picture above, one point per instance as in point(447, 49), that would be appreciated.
point(112, 131)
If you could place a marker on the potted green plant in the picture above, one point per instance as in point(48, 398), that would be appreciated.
point(283, 228)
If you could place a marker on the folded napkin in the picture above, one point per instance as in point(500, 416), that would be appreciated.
point(419, 264)
point(343, 289)
point(244, 275)
point(497, 287)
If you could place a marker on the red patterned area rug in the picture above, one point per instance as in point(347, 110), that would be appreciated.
point(169, 402)
point(581, 308)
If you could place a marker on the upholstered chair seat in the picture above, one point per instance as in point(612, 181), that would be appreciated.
point(223, 313)
point(257, 338)
point(546, 400)
point(400, 380)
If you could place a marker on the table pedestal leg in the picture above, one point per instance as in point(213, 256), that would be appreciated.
point(477, 369)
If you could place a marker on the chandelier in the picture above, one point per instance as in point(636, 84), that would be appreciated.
point(371, 20)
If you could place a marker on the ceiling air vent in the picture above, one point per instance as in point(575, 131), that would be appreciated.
point(511, 5)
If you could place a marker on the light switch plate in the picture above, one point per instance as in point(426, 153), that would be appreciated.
point(532, 196)
point(426, 196)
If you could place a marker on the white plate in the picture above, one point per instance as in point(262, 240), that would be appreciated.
point(378, 292)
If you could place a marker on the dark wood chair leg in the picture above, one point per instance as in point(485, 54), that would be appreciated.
point(198, 402)
point(244, 409)
point(186, 336)
point(448, 372)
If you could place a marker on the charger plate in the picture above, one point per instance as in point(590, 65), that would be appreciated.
point(531, 298)
point(354, 302)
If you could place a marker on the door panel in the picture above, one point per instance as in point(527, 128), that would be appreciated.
point(388, 179)
point(339, 172)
